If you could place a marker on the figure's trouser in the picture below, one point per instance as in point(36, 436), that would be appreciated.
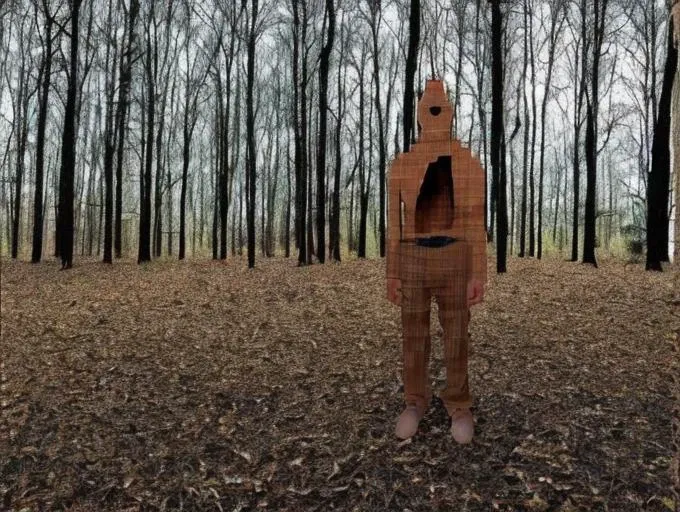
point(442, 273)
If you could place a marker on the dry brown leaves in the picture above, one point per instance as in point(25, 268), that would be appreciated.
point(206, 386)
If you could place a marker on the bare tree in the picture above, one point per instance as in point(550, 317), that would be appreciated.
point(659, 177)
point(194, 77)
point(557, 17)
point(68, 147)
point(592, 111)
point(109, 137)
point(125, 78)
point(45, 76)
point(411, 64)
point(497, 135)
point(324, 63)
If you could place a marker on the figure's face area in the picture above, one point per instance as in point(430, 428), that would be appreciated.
point(435, 113)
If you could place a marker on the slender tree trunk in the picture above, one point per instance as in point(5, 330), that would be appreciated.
point(578, 117)
point(554, 31)
point(121, 120)
point(591, 173)
point(532, 152)
point(675, 116)
point(382, 149)
point(144, 252)
point(250, 129)
point(497, 134)
point(557, 200)
point(591, 137)
point(22, 136)
point(46, 74)
point(186, 154)
point(215, 219)
point(659, 178)
point(411, 65)
point(321, 144)
point(109, 149)
point(298, 122)
point(68, 150)
point(335, 218)
point(525, 141)
point(289, 198)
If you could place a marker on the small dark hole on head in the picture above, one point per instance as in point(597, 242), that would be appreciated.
point(435, 111)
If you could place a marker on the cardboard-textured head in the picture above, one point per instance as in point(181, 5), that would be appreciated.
point(435, 113)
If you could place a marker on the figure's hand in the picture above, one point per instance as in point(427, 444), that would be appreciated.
point(394, 291)
point(475, 292)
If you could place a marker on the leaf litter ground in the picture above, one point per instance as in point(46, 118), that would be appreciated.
point(207, 386)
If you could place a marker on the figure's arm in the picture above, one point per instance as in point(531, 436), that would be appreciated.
point(393, 223)
point(475, 229)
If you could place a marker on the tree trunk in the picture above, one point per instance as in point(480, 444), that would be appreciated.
point(675, 115)
point(525, 141)
point(121, 120)
point(144, 250)
point(659, 177)
point(579, 95)
point(591, 137)
point(250, 129)
point(68, 149)
point(23, 97)
point(382, 149)
point(532, 152)
point(554, 32)
point(298, 123)
point(186, 154)
point(109, 148)
point(289, 198)
point(324, 62)
point(497, 134)
point(46, 74)
point(335, 217)
point(411, 65)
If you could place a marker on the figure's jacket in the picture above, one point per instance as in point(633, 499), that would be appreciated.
point(421, 203)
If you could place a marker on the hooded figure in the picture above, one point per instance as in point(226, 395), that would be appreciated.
point(436, 247)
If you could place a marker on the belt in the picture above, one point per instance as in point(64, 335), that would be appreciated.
point(436, 241)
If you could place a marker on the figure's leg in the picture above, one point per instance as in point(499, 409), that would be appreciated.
point(454, 321)
point(415, 320)
point(415, 316)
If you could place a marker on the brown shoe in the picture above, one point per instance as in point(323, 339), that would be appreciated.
point(407, 424)
point(462, 426)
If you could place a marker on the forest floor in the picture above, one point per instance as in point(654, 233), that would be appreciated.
point(206, 386)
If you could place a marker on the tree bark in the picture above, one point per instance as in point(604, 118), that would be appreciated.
point(659, 178)
point(382, 149)
point(68, 150)
point(675, 115)
point(600, 7)
point(121, 121)
point(554, 33)
point(250, 129)
point(324, 62)
point(46, 74)
point(144, 250)
point(298, 123)
point(411, 65)
point(497, 137)
point(335, 217)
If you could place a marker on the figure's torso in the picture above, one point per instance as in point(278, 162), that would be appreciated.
point(438, 203)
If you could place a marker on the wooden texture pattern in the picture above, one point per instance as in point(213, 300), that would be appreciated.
point(437, 189)
point(406, 178)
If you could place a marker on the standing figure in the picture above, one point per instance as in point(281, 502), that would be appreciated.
point(436, 248)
